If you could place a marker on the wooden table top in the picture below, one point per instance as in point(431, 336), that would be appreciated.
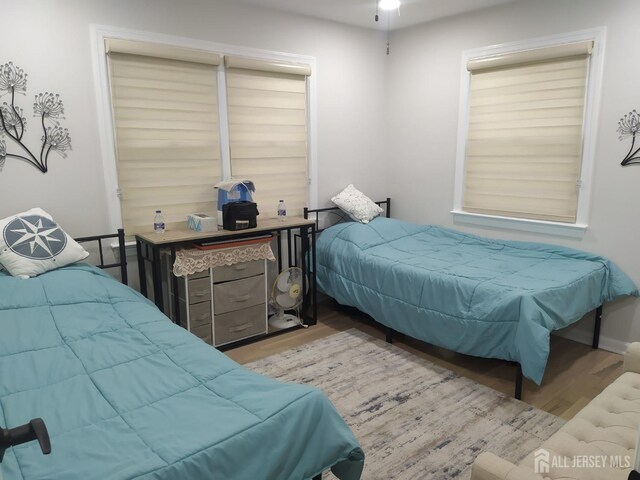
point(186, 235)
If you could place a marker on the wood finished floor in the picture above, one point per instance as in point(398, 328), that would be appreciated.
point(575, 373)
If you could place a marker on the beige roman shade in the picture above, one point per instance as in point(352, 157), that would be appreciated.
point(165, 113)
point(524, 143)
point(158, 50)
point(267, 109)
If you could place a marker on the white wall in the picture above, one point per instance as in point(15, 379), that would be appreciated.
point(51, 41)
point(422, 105)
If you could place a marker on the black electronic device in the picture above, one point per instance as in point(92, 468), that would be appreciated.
point(239, 215)
point(34, 430)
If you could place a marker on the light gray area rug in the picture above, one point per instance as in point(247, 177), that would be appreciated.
point(414, 420)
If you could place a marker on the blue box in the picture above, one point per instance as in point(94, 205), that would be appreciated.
point(233, 190)
point(201, 222)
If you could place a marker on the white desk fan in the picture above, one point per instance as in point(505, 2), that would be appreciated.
point(287, 294)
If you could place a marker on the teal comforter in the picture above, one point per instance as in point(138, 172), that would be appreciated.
point(482, 297)
point(126, 394)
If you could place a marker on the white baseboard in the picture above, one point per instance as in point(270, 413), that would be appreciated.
point(586, 337)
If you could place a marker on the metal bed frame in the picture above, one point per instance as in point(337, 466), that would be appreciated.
point(122, 264)
point(339, 216)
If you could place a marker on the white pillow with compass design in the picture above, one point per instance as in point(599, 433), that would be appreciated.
point(31, 243)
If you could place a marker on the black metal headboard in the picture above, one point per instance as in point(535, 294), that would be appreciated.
point(334, 215)
point(122, 264)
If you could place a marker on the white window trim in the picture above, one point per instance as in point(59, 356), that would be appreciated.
point(105, 119)
point(591, 116)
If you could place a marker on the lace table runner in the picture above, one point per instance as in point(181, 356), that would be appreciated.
point(192, 260)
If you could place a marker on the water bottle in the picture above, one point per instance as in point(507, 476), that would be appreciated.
point(158, 222)
point(282, 211)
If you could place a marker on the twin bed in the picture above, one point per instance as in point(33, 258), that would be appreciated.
point(473, 295)
point(126, 394)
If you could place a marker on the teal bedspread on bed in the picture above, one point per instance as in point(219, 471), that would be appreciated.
point(489, 298)
point(126, 394)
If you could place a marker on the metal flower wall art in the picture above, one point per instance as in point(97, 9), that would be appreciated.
point(629, 126)
point(47, 107)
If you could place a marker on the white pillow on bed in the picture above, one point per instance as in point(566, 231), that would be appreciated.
point(356, 204)
point(31, 243)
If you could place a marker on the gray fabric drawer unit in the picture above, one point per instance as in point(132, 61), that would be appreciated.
point(200, 314)
point(202, 274)
point(239, 270)
point(204, 332)
point(199, 290)
point(237, 294)
point(237, 309)
point(240, 324)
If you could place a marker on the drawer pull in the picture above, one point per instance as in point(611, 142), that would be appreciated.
point(240, 328)
point(239, 267)
point(243, 298)
point(200, 294)
point(204, 316)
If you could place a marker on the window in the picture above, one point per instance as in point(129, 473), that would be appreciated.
point(267, 106)
point(524, 150)
point(185, 114)
point(165, 115)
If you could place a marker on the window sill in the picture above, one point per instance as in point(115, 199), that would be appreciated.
point(538, 226)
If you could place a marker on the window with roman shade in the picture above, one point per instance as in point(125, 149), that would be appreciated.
point(267, 118)
point(524, 144)
point(165, 115)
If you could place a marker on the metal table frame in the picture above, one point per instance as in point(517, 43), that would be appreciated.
point(148, 250)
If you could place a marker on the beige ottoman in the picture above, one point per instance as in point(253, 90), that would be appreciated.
point(598, 443)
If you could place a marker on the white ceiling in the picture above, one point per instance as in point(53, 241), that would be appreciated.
point(361, 12)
